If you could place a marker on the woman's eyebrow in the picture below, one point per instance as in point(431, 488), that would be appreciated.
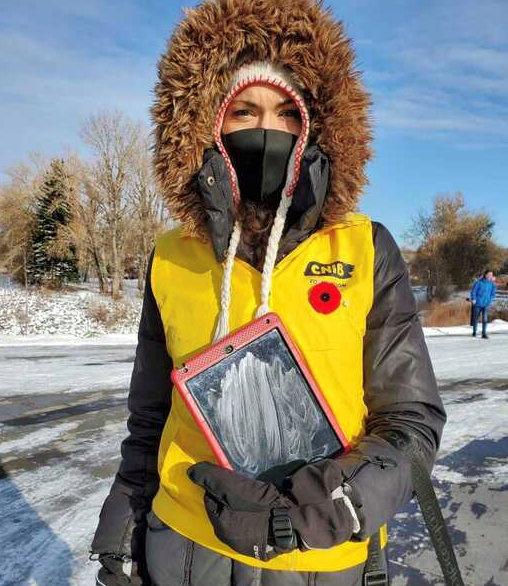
point(286, 102)
point(246, 102)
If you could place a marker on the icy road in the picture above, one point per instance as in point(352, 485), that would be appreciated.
point(62, 418)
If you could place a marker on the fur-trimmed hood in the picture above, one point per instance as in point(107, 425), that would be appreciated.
point(195, 73)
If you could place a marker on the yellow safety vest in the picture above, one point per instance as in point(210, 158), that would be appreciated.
point(186, 281)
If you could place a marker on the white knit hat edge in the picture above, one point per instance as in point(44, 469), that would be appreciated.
point(265, 70)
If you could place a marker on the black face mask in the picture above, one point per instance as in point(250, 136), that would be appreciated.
point(260, 158)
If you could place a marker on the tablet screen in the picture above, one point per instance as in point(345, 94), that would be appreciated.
point(261, 409)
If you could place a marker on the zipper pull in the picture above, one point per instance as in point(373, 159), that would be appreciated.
point(383, 463)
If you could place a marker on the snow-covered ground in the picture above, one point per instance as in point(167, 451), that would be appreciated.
point(38, 370)
point(471, 473)
point(80, 314)
point(83, 316)
point(63, 416)
point(47, 340)
point(496, 326)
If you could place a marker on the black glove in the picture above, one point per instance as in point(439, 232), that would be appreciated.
point(257, 520)
point(111, 572)
point(242, 510)
point(321, 512)
point(120, 536)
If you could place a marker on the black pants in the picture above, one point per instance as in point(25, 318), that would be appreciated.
point(174, 560)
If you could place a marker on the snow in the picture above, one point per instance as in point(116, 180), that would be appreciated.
point(67, 318)
point(496, 326)
point(68, 340)
point(469, 370)
point(60, 472)
point(80, 314)
point(485, 421)
point(53, 509)
point(64, 369)
point(463, 358)
point(36, 439)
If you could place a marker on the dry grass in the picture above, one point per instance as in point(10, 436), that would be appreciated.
point(436, 314)
point(109, 314)
point(21, 316)
point(498, 313)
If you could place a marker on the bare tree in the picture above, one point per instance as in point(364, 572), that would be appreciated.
point(148, 208)
point(113, 139)
point(17, 214)
point(89, 230)
point(454, 245)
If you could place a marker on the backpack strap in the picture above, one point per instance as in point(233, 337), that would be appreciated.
point(375, 572)
point(435, 522)
point(429, 505)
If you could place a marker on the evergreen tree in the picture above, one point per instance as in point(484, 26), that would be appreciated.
point(54, 255)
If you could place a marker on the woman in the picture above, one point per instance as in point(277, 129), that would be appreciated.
point(262, 136)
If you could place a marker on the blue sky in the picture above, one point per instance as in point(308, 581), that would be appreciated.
point(438, 73)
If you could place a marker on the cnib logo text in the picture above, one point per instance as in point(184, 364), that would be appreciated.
point(337, 269)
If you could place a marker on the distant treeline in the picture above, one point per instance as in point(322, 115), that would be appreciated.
point(66, 219)
point(454, 246)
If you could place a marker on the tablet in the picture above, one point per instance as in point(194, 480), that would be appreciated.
point(256, 401)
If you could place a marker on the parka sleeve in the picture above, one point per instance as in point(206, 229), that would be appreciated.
point(122, 518)
point(400, 393)
point(474, 288)
point(493, 293)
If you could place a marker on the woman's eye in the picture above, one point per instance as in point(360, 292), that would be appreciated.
point(241, 113)
point(294, 113)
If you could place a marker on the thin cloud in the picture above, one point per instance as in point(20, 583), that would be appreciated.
point(458, 66)
point(438, 67)
point(438, 84)
point(414, 108)
point(49, 86)
point(483, 22)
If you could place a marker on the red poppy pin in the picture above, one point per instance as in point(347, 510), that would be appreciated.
point(324, 297)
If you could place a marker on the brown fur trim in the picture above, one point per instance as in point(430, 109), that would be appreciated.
point(194, 74)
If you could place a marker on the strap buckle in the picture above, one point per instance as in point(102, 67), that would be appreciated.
point(282, 530)
point(375, 578)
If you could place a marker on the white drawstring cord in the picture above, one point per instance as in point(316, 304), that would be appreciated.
point(271, 254)
point(225, 293)
point(268, 267)
point(274, 240)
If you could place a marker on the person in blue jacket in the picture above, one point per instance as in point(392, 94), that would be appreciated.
point(482, 295)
